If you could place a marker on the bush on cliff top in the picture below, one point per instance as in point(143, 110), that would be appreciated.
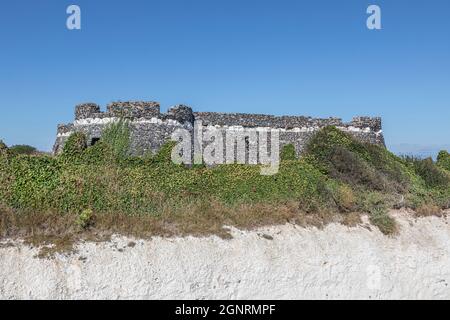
point(22, 149)
point(432, 174)
point(341, 157)
point(370, 168)
point(3, 146)
point(443, 160)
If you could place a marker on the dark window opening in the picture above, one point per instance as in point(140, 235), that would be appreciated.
point(94, 141)
point(247, 150)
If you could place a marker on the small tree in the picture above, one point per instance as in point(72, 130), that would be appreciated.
point(431, 173)
point(3, 148)
point(443, 160)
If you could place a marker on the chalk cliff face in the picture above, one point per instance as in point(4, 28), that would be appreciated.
point(282, 262)
point(150, 128)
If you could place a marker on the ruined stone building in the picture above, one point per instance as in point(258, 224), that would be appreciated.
point(150, 128)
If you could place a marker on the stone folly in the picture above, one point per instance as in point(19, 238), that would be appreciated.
point(151, 129)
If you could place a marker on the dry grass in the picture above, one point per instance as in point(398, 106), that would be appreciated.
point(56, 233)
point(53, 232)
point(427, 210)
point(347, 199)
point(352, 219)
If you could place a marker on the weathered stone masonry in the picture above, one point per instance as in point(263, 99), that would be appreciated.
point(150, 128)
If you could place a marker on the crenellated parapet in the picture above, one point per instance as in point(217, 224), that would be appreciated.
point(262, 120)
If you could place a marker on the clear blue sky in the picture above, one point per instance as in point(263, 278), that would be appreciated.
point(307, 57)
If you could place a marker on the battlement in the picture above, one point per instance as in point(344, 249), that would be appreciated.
point(129, 109)
point(86, 111)
point(367, 122)
point(134, 109)
point(150, 128)
point(181, 113)
point(261, 120)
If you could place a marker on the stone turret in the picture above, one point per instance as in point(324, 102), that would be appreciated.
point(367, 122)
point(86, 111)
point(181, 113)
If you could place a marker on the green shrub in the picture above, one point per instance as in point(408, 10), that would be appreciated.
point(376, 205)
point(342, 157)
point(111, 149)
point(101, 153)
point(383, 221)
point(429, 172)
point(345, 199)
point(389, 165)
point(316, 198)
point(443, 160)
point(85, 218)
point(320, 148)
point(349, 168)
point(5, 174)
point(74, 146)
point(22, 149)
point(33, 181)
point(3, 150)
point(117, 136)
point(288, 153)
point(3, 146)
point(164, 154)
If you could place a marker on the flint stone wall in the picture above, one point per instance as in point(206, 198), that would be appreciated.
point(150, 129)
